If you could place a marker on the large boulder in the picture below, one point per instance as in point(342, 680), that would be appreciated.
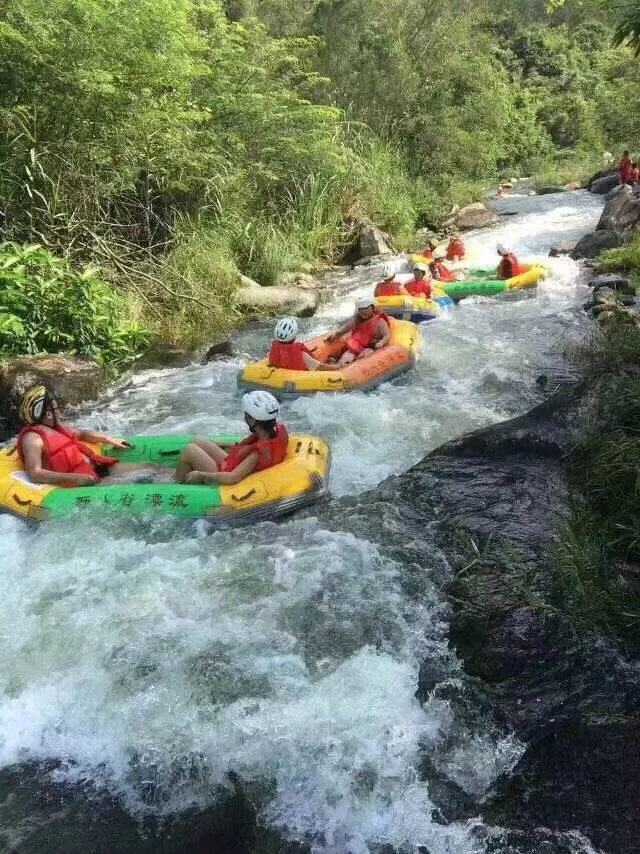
point(592, 245)
point(476, 215)
point(562, 247)
point(605, 184)
point(72, 378)
point(302, 302)
point(373, 241)
point(621, 214)
point(602, 173)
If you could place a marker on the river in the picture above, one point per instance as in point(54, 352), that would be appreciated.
point(144, 660)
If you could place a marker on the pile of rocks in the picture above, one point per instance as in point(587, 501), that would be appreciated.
point(613, 298)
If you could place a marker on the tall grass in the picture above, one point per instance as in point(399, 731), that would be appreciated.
point(599, 559)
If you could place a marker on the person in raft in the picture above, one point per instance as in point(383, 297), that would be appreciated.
point(388, 286)
point(420, 285)
point(369, 331)
point(290, 354)
point(429, 250)
point(54, 454)
point(439, 270)
point(509, 265)
point(456, 249)
point(266, 446)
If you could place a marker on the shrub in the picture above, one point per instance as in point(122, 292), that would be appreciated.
point(46, 306)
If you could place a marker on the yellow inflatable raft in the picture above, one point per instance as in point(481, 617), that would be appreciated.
point(301, 479)
point(363, 374)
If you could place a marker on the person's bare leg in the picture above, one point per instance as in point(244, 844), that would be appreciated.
point(366, 352)
point(194, 458)
point(215, 451)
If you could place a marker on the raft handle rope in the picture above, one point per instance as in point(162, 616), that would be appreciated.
point(173, 453)
point(243, 497)
point(19, 501)
point(332, 381)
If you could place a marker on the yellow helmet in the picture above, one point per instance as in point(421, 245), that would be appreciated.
point(33, 404)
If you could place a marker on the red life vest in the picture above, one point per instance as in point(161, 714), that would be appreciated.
point(64, 453)
point(455, 250)
point(509, 266)
point(388, 288)
point(270, 451)
point(289, 356)
point(442, 274)
point(634, 175)
point(419, 287)
point(624, 169)
point(427, 253)
point(364, 334)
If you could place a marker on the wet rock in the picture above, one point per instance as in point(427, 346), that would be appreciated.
point(373, 241)
point(615, 281)
point(476, 215)
point(563, 247)
point(591, 245)
point(301, 302)
point(549, 190)
point(584, 774)
point(72, 378)
point(602, 173)
point(621, 214)
point(605, 184)
point(217, 350)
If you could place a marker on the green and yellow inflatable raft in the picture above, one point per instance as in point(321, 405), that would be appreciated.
point(484, 282)
point(301, 479)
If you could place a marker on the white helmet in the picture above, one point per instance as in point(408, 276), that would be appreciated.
point(501, 249)
point(439, 254)
point(422, 267)
point(364, 302)
point(388, 271)
point(286, 330)
point(260, 405)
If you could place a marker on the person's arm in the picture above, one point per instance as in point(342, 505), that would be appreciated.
point(347, 326)
point(95, 438)
point(241, 471)
point(383, 325)
point(314, 365)
point(32, 448)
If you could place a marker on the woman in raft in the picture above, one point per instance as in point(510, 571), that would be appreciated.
point(53, 453)
point(509, 265)
point(369, 331)
point(290, 354)
point(206, 462)
point(388, 286)
point(420, 285)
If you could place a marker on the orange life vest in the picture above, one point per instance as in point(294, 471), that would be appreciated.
point(289, 356)
point(64, 453)
point(509, 267)
point(365, 334)
point(419, 287)
point(270, 451)
point(388, 288)
point(442, 274)
point(455, 250)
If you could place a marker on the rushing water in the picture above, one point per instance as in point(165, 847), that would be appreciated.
point(150, 658)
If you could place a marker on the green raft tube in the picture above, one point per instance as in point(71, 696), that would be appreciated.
point(484, 282)
point(299, 480)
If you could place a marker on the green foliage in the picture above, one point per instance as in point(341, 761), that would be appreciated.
point(625, 258)
point(600, 558)
point(273, 124)
point(45, 306)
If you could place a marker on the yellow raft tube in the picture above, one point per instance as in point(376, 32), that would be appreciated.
point(300, 479)
point(363, 374)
